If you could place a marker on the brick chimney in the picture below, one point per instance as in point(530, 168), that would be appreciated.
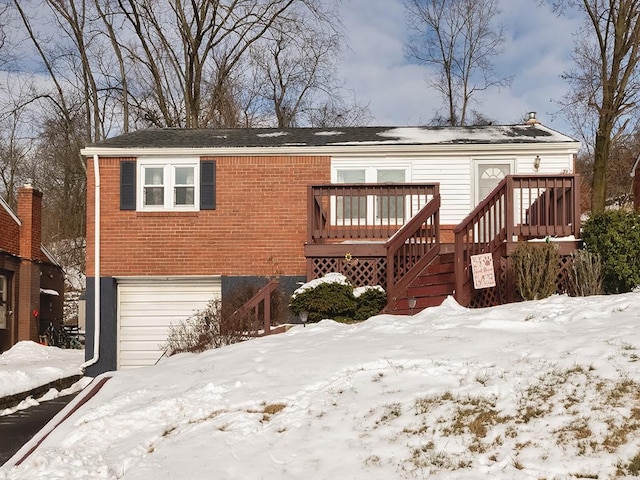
point(30, 214)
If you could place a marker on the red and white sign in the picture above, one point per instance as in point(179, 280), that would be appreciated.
point(482, 268)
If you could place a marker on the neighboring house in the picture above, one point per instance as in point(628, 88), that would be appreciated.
point(31, 281)
point(183, 216)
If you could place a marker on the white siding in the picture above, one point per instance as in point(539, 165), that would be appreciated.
point(147, 308)
point(455, 172)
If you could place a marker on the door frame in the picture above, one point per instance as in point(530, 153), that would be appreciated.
point(475, 174)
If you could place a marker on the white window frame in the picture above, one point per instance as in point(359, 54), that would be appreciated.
point(169, 177)
point(370, 176)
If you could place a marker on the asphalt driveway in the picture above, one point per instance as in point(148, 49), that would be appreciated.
point(18, 428)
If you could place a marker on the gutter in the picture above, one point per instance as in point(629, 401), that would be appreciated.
point(96, 252)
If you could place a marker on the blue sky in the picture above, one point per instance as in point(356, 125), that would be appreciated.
point(536, 52)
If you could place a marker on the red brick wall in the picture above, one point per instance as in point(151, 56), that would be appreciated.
point(259, 225)
point(10, 236)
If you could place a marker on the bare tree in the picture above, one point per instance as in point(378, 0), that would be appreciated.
point(295, 68)
point(62, 179)
point(13, 157)
point(605, 78)
point(458, 39)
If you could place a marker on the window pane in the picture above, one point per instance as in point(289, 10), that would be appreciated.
point(489, 177)
point(390, 176)
point(351, 207)
point(154, 196)
point(184, 195)
point(153, 176)
point(390, 208)
point(185, 175)
point(350, 176)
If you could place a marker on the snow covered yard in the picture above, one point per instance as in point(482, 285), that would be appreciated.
point(535, 390)
point(28, 365)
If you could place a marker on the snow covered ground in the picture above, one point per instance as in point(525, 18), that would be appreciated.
point(536, 390)
point(28, 365)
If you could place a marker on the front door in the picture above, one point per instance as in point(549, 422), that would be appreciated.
point(488, 174)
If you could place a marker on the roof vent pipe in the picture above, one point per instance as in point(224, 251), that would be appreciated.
point(531, 118)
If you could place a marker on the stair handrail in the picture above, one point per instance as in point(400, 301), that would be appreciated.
point(467, 233)
point(424, 230)
point(262, 296)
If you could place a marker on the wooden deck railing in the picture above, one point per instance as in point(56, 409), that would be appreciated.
point(363, 211)
point(521, 207)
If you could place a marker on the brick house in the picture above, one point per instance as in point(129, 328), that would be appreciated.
point(31, 281)
point(176, 217)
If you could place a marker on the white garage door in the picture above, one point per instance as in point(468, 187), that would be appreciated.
point(147, 308)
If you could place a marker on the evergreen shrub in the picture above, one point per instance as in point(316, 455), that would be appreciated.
point(370, 303)
point(335, 299)
point(615, 237)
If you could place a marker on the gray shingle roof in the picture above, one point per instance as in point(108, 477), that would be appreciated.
point(318, 137)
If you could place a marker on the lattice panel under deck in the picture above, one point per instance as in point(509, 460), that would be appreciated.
point(361, 272)
point(563, 274)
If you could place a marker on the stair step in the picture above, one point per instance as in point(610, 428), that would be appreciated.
point(446, 258)
point(440, 279)
point(438, 268)
point(430, 291)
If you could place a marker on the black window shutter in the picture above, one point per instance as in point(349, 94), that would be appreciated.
point(127, 185)
point(208, 185)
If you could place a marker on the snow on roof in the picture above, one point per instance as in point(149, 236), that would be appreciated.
point(6, 206)
point(49, 291)
point(337, 137)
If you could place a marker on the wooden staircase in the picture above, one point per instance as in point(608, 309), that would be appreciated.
point(430, 287)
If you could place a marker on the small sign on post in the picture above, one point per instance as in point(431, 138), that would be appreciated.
point(483, 273)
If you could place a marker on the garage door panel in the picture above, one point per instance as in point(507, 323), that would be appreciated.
point(141, 316)
point(139, 359)
point(147, 309)
point(134, 335)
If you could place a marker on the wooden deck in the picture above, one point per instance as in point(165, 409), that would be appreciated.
point(389, 235)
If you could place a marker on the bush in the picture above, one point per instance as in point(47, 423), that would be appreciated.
point(326, 300)
point(370, 303)
point(584, 274)
point(334, 297)
point(204, 330)
point(535, 266)
point(615, 237)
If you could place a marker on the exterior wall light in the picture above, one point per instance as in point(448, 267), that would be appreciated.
point(536, 163)
point(411, 301)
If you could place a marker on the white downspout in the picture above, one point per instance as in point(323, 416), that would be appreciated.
point(96, 252)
